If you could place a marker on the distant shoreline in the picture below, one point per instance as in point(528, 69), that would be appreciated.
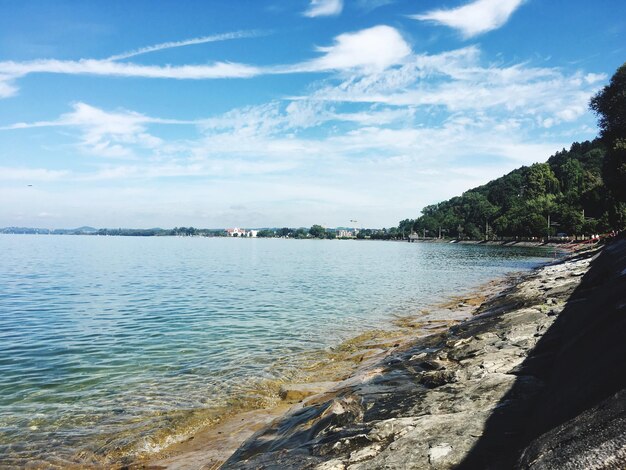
point(558, 243)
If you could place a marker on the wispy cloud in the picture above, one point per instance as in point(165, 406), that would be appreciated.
point(84, 115)
point(7, 89)
point(420, 90)
point(474, 18)
point(117, 69)
point(186, 42)
point(108, 134)
point(369, 5)
point(373, 48)
point(457, 82)
point(324, 8)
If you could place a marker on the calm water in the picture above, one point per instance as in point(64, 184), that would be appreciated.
point(111, 346)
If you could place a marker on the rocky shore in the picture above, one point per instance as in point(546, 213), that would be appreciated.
point(534, 380)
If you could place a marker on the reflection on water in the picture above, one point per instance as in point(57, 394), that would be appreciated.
point(111, 346)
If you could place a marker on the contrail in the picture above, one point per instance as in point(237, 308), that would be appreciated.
point(187, 42)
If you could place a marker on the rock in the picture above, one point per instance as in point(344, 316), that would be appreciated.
point(438, 453)
point(298, 392)
point(432, 365)
point(334, 464)
point(417, 356)
point(384, 430)
point(415, 449)
point(438, 378)
point(593, 439)
point(365, 454)
point(360, 356)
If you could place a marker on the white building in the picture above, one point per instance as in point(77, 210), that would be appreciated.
point(236, 232)
point(241, 232)
point(347, 233)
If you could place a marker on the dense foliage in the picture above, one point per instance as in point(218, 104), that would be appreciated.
point(610, 106)
point(567, 192)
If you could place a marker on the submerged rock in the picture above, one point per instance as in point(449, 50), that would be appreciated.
point(297, 392)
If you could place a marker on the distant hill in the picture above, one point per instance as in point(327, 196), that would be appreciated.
point(567, 192)
point(25, 230)
point(85, 229)
point(46, 231)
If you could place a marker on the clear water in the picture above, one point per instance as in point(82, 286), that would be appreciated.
point(107, 344)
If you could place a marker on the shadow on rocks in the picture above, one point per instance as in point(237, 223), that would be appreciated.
point(578, 418)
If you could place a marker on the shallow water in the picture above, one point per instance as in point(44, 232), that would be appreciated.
point(112, 346)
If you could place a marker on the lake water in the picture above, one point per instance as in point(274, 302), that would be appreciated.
point(111, 346)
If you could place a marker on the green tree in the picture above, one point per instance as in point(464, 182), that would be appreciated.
point(300, 233)
point(572, 177)
point(285, 232)
point(265, 233)
point(540, 180)
point(405, 227)
point(610, 106)
point(317, 231)
point(570, 220)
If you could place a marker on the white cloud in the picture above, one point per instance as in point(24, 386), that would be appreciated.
point(7, 89)
point(110, 134)
point(186, 42)
point(107, 134)
point(475, 18)
point(84, 115)
point(324, 8)
point(375, 48)
point(117, 69)
point(457, 81)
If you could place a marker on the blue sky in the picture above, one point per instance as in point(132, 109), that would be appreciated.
point(262, 113)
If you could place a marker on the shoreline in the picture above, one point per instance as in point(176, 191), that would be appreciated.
point(211, 446)
point(509, 243)
point(519, 384)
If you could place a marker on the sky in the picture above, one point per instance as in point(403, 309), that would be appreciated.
point(271, 113)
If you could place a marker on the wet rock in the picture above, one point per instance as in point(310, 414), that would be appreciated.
point(297, 392)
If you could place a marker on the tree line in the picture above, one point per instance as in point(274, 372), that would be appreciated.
point(320, 232)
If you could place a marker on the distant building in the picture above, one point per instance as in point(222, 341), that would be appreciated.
point(342, 233)
point(241, 232)
point(235, 232)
